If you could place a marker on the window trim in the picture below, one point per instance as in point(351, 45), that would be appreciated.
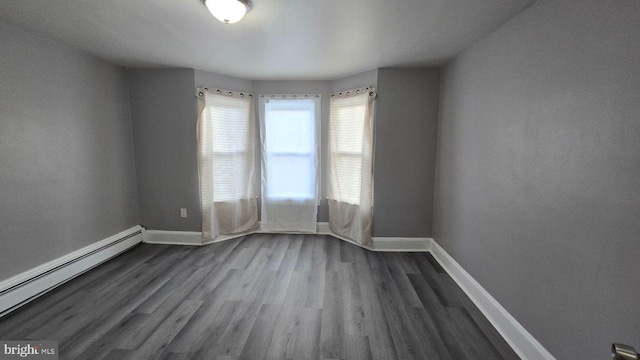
point(317, 98)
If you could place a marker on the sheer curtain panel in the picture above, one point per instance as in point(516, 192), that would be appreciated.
point(351, 164)
point(226, 161)
point(289, 132)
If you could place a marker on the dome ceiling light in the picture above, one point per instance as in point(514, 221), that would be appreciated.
point(228, 11)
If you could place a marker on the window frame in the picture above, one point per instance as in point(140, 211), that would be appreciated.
point(247, 151)
point(315, 160)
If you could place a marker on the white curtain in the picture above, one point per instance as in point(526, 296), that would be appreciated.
point(226, 161)
point(351, 164)
point(289, 133)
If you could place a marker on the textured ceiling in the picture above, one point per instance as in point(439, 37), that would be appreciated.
point(278, 39)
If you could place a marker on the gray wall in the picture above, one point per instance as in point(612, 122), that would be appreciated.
point(406, 127)
point(538, 171)
point(367, 78)
point(164, 114)
point(67, 174)
point(205, 78)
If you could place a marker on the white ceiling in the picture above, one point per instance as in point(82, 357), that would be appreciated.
point(278, 39)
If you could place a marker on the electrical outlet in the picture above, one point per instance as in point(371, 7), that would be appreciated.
point(183, 212)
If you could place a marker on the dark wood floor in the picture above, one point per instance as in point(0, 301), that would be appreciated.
point(261, 297)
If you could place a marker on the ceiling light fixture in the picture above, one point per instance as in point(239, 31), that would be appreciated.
point(228, 11)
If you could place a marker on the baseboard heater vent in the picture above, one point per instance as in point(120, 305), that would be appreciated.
point(29, 285)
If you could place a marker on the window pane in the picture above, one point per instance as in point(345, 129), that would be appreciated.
point(347, 144)
point(290, 131)
point(228, 147)
point(291, 176)
point(349, 169)
point(290, 148)
point(229, 173)
point(347, 128)
point(230, 128)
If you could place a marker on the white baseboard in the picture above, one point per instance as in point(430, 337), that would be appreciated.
point(173, 237)
point(190, 238)
point(520, 340)
point(24, 287)
point(405, 244)
point(221, 238)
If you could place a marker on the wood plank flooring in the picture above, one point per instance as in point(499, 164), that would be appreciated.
point(264, 296)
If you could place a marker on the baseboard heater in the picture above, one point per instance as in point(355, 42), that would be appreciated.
point(29, 285)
